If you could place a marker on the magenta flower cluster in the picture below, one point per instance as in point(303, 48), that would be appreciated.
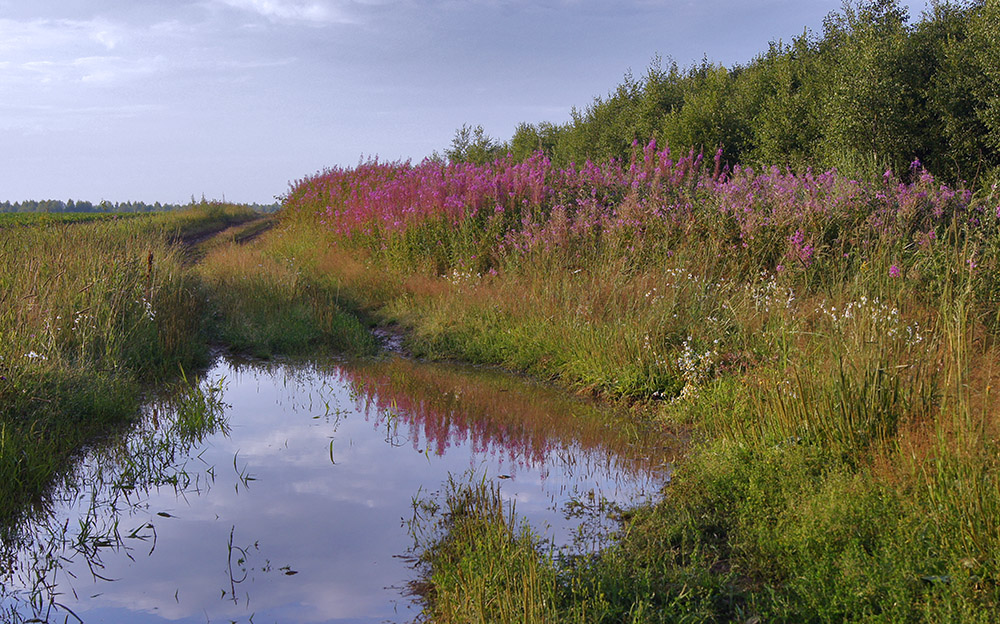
point(506, 207)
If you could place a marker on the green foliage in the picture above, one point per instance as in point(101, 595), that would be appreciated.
point(870, 87)
point(88, 312)
point(529, 138)
point(985, 52)
point(843, 464)
point(268, 302)
point(781, 92)
point(473, 145)
point(92, 312)
point(954, 93)
point(710, 116)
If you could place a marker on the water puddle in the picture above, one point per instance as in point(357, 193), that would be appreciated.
point(293, 506)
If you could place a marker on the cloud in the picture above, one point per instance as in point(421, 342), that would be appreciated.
point(112, 68)
point(308, 11)
point(49, 34)
point(46, 51)
point(84, 69)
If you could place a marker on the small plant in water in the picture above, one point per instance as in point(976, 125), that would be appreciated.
point(199, 409)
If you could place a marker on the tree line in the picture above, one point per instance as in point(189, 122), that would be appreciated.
point(871, 92)
point(58, 205)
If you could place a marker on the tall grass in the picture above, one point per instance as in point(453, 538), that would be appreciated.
point(828, 344)
point(87, 311)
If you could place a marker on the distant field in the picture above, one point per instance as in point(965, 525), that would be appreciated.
point(8, 219)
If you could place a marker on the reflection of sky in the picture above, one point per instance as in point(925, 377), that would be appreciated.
point(340, 527)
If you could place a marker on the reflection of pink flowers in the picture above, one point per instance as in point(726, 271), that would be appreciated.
point(894, 271)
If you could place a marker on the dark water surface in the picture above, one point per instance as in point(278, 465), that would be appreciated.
point(296, 509)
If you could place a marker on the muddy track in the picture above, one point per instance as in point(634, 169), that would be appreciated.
point(196, 245)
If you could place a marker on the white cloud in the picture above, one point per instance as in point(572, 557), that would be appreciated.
point(108, 36)
point(48, 34)
point(113, 68)
point(84, 69)
point(309, 11)
point(47, 51)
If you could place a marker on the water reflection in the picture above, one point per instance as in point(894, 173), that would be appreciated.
point(101, 508)
point(443, 405)
point(293, 507)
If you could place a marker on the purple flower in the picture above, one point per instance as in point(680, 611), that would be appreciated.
point(894, 271)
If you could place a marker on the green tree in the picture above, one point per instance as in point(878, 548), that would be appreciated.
point(472, 144)
point(951, 87)
point(710, 116)
point(529, 138)
point(985, 51)
point(782, 90)
point(662, 93)
point(868, 116)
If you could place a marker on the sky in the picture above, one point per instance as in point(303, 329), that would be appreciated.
point(169, 100)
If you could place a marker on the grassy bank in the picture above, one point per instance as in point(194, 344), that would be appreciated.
point(93, 312)
point(830, 344)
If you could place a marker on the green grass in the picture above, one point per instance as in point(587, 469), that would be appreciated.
point(89, 312)
point(42, 219)
point(843, 463)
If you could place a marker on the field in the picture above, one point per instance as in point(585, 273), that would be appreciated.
point(10, 219)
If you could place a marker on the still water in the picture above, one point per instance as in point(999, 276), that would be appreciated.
point(297, 506)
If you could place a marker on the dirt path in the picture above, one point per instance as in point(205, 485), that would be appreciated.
point(198, 245)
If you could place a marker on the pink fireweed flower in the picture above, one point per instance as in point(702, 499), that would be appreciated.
point(894, 271)
point(799, 249)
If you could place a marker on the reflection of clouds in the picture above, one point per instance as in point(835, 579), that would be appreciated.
point(338, 525)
